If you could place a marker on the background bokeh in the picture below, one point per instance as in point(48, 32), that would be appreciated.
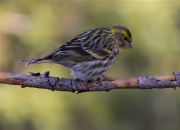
point(34, 28)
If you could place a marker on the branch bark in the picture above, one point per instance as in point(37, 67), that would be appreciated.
point(44, 81)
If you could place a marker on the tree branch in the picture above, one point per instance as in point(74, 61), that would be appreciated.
point(44, 81)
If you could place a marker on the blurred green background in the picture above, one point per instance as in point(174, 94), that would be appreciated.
point(34, 28)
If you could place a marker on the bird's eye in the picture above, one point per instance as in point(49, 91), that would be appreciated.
point(125, 39)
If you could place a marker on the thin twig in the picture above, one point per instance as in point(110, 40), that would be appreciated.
point(44, 81)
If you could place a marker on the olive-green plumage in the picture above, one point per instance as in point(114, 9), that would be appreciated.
point(90, 54)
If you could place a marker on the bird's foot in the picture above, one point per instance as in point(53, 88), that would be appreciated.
point(88, 86)
point(105, 78)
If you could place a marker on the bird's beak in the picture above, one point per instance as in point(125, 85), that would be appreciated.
point(128, 45)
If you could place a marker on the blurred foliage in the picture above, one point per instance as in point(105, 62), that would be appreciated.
point(31, 29)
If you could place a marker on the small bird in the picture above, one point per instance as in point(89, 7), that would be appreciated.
point(90, 54)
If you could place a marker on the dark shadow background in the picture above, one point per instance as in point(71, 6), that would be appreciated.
point(31, 29)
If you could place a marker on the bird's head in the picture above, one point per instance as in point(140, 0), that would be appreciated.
point(123, 35)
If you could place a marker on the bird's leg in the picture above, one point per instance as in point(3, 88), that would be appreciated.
point(89, 83)
point(88, 86)
point(105, 78)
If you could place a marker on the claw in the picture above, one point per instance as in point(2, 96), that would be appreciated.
point(88, 86)
point(105, 78)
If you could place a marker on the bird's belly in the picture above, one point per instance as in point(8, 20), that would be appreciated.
point(90, 70)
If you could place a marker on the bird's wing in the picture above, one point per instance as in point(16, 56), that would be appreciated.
point(99, 44)
point(87, 46)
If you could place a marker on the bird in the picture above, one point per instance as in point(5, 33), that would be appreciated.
point(89, 54)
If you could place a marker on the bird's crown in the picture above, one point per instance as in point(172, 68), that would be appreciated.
point(123, 31)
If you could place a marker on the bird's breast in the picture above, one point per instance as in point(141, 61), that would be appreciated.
point(91, 70)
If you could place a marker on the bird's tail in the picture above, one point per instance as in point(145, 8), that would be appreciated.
point(46, 59)
point(33, 61)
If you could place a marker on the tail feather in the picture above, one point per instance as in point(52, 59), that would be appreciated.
point(33, 61)
point(47, 59)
